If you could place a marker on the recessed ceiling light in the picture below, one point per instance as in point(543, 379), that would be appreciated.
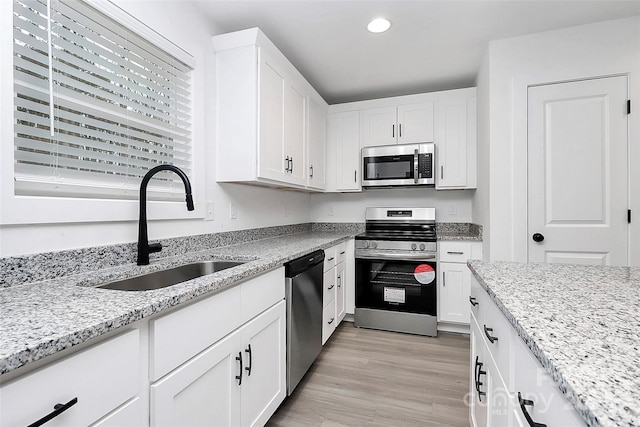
point(378, 25)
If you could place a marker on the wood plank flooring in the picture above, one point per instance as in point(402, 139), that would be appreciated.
point(365, 377)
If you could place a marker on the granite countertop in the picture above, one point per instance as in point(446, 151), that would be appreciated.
point(459, 231)
point(40, 319)
point(583, 324)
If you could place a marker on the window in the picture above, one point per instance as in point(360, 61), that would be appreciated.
point(96, 105)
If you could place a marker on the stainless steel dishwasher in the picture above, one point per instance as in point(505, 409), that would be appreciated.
point(304, 314)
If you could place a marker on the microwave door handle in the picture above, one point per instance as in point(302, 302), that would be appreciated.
point(415, 165)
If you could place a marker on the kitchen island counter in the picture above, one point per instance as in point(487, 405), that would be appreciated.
point(582, 323)
point(41, 319)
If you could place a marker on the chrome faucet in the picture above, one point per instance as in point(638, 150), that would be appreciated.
point(144, 248)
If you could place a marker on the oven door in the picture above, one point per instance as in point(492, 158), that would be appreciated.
point(402, 285)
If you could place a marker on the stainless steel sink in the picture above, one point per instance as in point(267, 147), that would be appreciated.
point(171, 276)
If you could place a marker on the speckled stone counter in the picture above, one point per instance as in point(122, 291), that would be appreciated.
point(459, 231)
point(40, 319)
point(583, 324)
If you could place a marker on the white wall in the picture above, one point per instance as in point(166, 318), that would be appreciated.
point(31, 225)
point(451, 206)
point(481, 213)
point(600, 49)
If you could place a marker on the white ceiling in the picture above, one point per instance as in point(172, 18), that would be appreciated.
point(432, 44)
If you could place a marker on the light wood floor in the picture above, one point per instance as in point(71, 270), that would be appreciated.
point(365, 377)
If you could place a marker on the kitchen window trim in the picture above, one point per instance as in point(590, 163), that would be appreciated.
point(27, 209)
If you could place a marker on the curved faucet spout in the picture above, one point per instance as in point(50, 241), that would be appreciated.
point(144, 248)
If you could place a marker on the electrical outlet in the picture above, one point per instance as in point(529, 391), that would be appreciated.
point(330, 210)
point(452, 210)
point(233, 210)
point(209, 213)
point(286, 209)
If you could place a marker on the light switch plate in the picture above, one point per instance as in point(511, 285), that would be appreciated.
point(233, 210)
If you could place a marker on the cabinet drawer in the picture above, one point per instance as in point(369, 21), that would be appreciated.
point(328, 322)
point(454, 251)
point(329, 258)
point(329, 290)
point(341, 252)
point(260, 293)
point(494, 324)
point(101, 377)
point(533, 382)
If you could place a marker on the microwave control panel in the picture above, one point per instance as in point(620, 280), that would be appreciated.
point(425, 165)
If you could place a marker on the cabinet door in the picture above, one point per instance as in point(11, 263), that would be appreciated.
point(454, 287)
point(294, 133)
point(341, 292)
point(378, 126)
point(478, 384)
point(271, 155)
point(347, 138)
point(264, 377)
point(203, 391)
point(415, 123)
point(451, 143)
point(316, 144)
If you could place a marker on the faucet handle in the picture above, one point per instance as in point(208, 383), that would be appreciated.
point(154, 247)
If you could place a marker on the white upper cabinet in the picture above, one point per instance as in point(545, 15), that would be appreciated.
point(456, 139)
point(402, 124)
point(316, 145)
point(343, 151)
point(261, 114)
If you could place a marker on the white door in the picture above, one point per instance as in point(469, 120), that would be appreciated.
point(451, 142)
point(264, 378)
point(316, 144)
point(454, 288)
point(294, 133)
point(341, 292)
point(415, 123)
point(577, 172)
point(202, 392)
point(346, 127)
point(271, 146)
point(378, 126)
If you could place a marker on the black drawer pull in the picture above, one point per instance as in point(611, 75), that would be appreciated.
point(331, 321)
point(478, 372)
point(58, 408)
point(455, 253)
point(248, 368)
point(523, 403)
point(491, 338)
point(473, 301)
point(239, 359)
point(330, 259)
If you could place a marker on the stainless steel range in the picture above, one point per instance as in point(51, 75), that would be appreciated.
point(396, 271)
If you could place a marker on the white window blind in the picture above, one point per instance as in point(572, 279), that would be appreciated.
point(121, 105)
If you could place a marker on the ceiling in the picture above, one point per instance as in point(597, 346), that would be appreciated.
point(432, 44)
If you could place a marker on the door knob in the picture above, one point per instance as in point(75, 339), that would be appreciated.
point(537, 237)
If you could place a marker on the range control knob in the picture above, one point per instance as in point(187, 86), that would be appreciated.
point(422, 246)
point(374, 245)
point(366, 243)
point(413, 246)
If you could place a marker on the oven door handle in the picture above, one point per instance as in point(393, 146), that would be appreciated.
point(396, 256)
point(416, 156)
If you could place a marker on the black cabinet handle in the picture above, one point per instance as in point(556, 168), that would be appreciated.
point(523, 403)
point(330, 259)
point(491, 338)
point(291, 170)
point(248, 368)
point(478, 372)
point(393, 131)
point(286, 159)
point(537, 237)
point(311, 170)
point(331, 321)
point(444, 283)
point(473, 301)
point(455, 253)
point(58, 408)
point(239, 377)
point(330, 287)
point(400, 130)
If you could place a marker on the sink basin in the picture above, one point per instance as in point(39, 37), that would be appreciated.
point(170, 276)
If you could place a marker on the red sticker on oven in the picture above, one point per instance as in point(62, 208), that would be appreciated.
point(424, 274)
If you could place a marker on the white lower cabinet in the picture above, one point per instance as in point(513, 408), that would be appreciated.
point(100, 384)
point(454, 280)
point(336, 281)
point(240, 380)
point(506, 379)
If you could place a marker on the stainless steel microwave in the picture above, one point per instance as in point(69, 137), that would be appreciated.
point(398, 165)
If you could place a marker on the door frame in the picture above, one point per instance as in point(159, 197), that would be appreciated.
point(519, 158)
